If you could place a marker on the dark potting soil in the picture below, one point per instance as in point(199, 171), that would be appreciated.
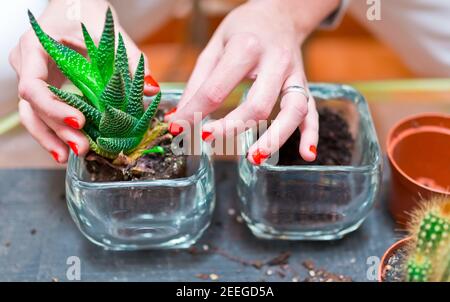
point(335, 143)
point(308, 206)
point(395, 268)
point(147, 167)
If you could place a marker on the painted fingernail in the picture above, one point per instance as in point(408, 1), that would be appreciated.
point(170, 112)
point(72, 122)
point(150, 81)
point(259, 156)
point(207, 136)
point(313, 150)
point(175, 129)
point(74, 147)
point(55, 156)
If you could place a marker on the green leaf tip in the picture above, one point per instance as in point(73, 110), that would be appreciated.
point(72, 64)
point(135, 106)
point(105, 58)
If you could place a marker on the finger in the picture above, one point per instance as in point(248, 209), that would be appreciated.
point(14, 60)
point(75, 139)
point(42, 133)
point(203, 67)
point(309, 130)
point(261, 98)
point(293, 111)
point(33, 88)
point(240, 56)
point(47, 105)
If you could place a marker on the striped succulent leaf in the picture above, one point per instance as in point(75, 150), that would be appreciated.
point(111, 100)
point(90, 46)
point(114, 93)
point(141, 126)
point(116, 123)
point(72, 64)
point(79, 102)
point(105, 55)
point(135, 106)
point(122, 63)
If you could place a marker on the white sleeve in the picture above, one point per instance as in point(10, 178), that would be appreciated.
point(333, 20)
point(418, 30)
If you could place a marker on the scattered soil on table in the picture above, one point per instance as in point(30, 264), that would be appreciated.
point(278, 266)
point(322, 275)
point(395, 268)
point(147, 167)
point(335, 143)
point(281, 259)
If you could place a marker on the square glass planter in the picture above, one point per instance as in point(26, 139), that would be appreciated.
point(150, 214)
point(314, 202)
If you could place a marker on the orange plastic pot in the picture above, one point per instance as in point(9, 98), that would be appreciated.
point(418, 150)
point(388, 254)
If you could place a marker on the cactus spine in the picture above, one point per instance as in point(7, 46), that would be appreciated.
point(429, 254)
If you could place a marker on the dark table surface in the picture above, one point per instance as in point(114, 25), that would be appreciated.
point(37, 235)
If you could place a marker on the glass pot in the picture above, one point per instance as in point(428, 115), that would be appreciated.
point(314, 202)
point(150, 214)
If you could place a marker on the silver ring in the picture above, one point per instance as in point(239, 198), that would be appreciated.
point(295, 88)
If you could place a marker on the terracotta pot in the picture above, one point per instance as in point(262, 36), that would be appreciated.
point(418, 150)
point(388, 254)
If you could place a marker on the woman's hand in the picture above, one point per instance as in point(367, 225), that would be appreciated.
point(54, 124)
point(259, 40)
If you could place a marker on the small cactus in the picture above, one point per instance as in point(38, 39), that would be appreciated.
point(111, 100)
point(429, 252)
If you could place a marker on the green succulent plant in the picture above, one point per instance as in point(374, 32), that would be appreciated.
point(111, 100)
point(429, 255)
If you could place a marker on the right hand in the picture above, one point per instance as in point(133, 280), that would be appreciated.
point(54, 124)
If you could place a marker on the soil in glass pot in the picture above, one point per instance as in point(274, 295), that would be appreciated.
point(158, 161)
point(334, 148)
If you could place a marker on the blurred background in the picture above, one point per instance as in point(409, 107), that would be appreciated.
point(174, 37)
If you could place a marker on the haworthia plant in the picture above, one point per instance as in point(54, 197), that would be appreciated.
point(112, 100)
point(429, 256)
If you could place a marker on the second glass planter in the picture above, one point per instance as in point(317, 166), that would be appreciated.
point(314, 202)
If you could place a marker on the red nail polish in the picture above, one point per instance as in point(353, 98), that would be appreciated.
point(72, 122)
point(74, 147)
point(259, 156)
point(55, 156)
point(175, 129)
point(170, 112)
point(207, 136)
point(150, 81)
point(313, 149)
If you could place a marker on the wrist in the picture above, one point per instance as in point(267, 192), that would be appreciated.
point(305, 15)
